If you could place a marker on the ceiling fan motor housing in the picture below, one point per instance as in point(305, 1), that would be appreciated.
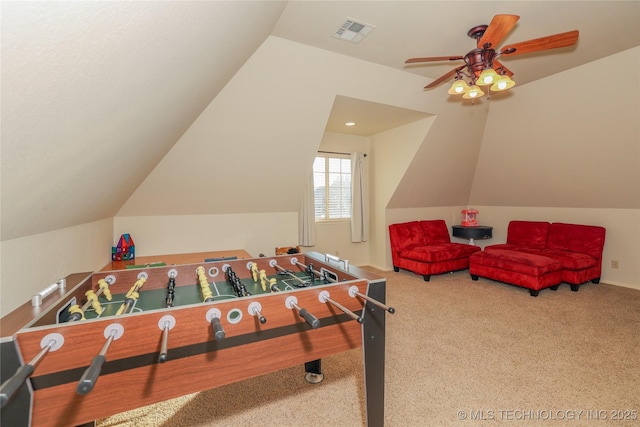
point(479, 59)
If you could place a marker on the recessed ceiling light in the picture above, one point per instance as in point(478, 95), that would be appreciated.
point(350, 124)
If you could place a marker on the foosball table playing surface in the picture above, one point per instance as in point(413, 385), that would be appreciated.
point(173, 330)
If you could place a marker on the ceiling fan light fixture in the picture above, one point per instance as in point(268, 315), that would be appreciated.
point(503, 83)
point(488, 76)
point(480, 62)
point(473, 92)
point(458, 87)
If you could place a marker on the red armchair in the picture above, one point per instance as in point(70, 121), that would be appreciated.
point(424, 247)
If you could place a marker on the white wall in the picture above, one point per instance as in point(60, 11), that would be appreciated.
point(335, 238)
point(558, 144)
point(30, 264)
point(95, 93)
point(391, 154)
point(255, 233)
point(252, 148)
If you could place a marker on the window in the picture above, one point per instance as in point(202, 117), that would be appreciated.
point(332, 187)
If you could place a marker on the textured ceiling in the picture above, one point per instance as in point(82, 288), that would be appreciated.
point(370, 118)
point(405, 29)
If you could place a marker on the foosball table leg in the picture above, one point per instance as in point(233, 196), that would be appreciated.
point(313, 371)
point(373, 346)
point(17, 413)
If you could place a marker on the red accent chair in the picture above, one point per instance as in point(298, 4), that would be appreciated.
point(424, 247)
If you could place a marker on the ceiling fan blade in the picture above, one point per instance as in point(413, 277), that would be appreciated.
point(499, 66)
point(498, 28)
point(433, 58)
point(543, 43)
point(444, 77)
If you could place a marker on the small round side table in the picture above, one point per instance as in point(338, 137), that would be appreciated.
point(472, 232)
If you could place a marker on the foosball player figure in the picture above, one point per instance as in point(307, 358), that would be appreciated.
point(76, 313)
point(309, 271)
point(263, 280)
point(240, 288)
point(171, 286)
point(92, 299)
point(254, 272)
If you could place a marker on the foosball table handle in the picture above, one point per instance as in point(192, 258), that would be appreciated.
point(90, 376)
point(218, 331)
point(292, 303)
point(310, 318)
point(12, 385)
point(51, 342)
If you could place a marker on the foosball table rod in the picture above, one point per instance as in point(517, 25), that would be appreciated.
point(254, 309)
point(309, 268)
point(165, 324)
point(133, 295)
point(324, 298)
point(92, 297)
point(51, 342)
point(76, 312)
point(274, 264)
point(353, 291)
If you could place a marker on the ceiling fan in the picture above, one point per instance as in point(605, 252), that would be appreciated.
point(481, 66)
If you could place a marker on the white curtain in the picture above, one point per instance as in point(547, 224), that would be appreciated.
point(307, 216)
point(359, 202)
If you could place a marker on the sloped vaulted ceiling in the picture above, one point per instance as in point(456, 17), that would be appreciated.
point(94, 94)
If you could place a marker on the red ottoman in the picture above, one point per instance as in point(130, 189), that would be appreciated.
point(530, 271)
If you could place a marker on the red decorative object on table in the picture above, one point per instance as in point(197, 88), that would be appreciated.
point(469, 218)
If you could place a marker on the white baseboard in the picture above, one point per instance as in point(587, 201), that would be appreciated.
point(624, 285)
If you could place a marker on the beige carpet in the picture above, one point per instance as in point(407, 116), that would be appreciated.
point(459, 353)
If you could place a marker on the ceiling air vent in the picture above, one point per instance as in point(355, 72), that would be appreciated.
point(353, 31)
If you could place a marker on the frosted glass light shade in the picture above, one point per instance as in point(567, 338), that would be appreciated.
point(503, 83)
point(473, 92)
point(488, 76)
point(458, 87)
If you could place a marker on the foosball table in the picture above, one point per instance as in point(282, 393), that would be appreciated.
point(173, 330)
